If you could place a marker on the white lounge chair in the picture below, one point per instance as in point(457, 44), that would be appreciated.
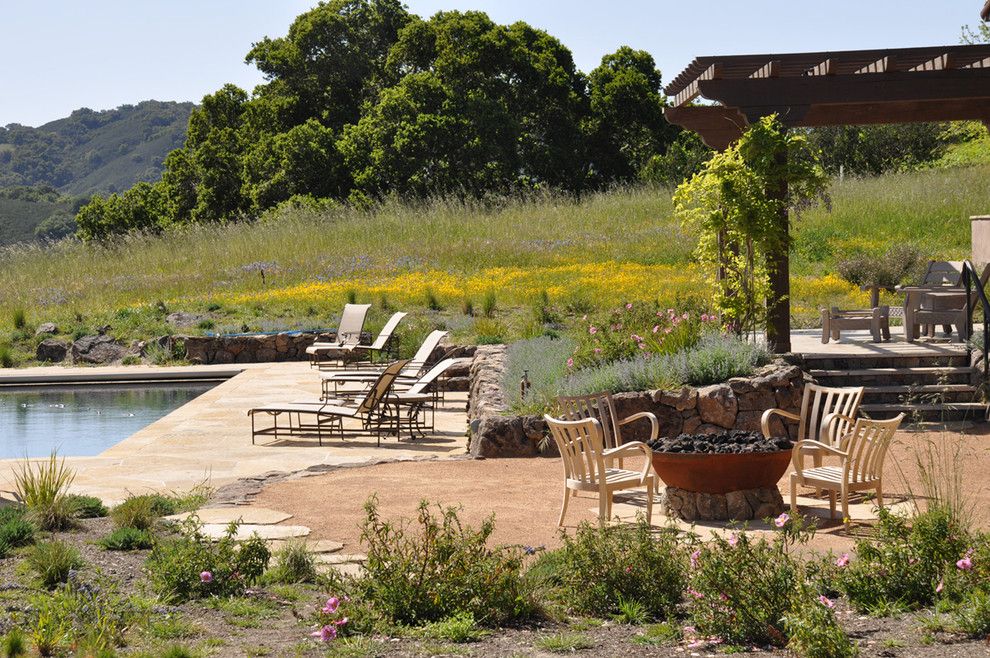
point(414, 369)
point(348, 333)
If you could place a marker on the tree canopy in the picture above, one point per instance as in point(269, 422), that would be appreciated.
point(362, 99)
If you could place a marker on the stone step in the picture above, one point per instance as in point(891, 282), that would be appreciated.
point(950, 411)
point(919, 375)
point(924, 394)
point(853, 362)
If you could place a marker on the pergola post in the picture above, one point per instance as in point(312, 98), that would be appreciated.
point(778, 263)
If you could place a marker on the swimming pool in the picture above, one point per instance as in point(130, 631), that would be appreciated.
point(84, 420)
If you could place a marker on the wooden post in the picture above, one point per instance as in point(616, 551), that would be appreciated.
point(778, 262)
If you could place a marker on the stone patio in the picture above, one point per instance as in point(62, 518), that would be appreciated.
point(208, 440)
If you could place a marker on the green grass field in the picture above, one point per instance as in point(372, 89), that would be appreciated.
point(595, 252)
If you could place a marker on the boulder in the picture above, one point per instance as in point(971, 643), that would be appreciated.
point(52, 350)
point(183, 319)
point(717, 405)
point(46, 328)
point(682, 400)
point(502, 436)
point(97, 349)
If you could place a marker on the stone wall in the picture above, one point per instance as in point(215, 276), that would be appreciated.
point(736, 404)
point(259, 348)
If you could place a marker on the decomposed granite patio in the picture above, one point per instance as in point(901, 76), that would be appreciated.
point(208, 440)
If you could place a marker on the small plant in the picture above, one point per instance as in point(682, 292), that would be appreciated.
point(138, 512)
point(443, 570)
point(14, 643)
point(6, 357)
point(625, 571)
point(206, 325)
point(488, 306)
point(293, 564)
point(565, 642)
point(432, 302)
point(88, 507)
point(812, 629)
point(489, 331)
point(973, 614)
point(659, 634)
point(131, 360)
point(459, 629)
point(467, 307)
point(44, 490)
point(127, 539)
point(631, 612)
point(89, 617)
point(19, 318)
point(52, 561)
point(351, 296)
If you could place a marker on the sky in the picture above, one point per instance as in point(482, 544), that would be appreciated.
point(60, 55)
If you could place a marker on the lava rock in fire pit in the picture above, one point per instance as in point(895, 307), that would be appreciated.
point(728, 442)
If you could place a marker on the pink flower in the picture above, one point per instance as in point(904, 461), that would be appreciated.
point(592, 330)
point(656, 328)
point(327, 633)
point(628, 569)
point(733, 539)
point(690, 630)
point(629, 306)
point(331, 605)
point(696, 594)
point(570, 362)
point(696, 559)
point(842, 561)
point(598, 350)
point(642, 346)
point(965, 564)
point(685, 315)
point(206, 577)
point(667, 330)
point(939, 587)
point(825, 601)
point(704, 317)
point(341, 621)
point(782, 520)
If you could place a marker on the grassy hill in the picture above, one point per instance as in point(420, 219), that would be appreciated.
point(85, 153)
point(597, 252)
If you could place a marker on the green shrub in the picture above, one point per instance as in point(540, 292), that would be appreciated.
point(636, 329)
point(52, 561)
point(88, 507)
point(127, 539)
point(90, 617)
point(351, 296)
point(192, 566)
point(741, 588)
point(973, 614)
point(717, 358)
point(432, 302)
point(489, 304)
point(904, 561)
point(44, 490)
point(459, 629)
point(19, 318)
point(293, 564)
point(564, 642)
point(489, 331)
point(545, 359)
point(467, 307)
point(138, 512)
point(812, 629)
point(14, 644)
point(605, 571)
point(6, 357)
point(443, 570)
point(16, 532)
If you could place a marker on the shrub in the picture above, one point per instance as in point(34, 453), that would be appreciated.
point(459, 629)
point(293, 564)
point(16, 532)
point(904, 562)
point(489, 331)
point(716, 358)
point(19, 318)
point(741, 588)
point(192, 566)
point(432, 302)
point(467, 307)
point(6, 357)
point(973, 614)
point(607, 571)
point(88, 507)
point(90, 617)
point(138, 512)
point(127, 539)
point(546, 360)
point(812, 629)
point(488, 305)
point(52, 561)
point(14, 644)
point(899, 264)
point(44, 490)
point(443, 570)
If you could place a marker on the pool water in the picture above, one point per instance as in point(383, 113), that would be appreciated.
point(85, 420)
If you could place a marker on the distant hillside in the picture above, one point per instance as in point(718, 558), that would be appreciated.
point(47, 172)
point(90, 152)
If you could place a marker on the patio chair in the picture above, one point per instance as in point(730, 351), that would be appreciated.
point(940, 276)
point(877, 320)
point(860, 468)
point(348, 333)
point(355, 354)
point(601, 407)
point(414, 369)
point(331, 413)
point(945, 306)
point(582, 448)
point(826, 413)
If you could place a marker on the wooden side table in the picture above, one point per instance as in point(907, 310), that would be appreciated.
point(877, 320)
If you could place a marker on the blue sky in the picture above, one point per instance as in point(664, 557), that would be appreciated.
point(58, 55)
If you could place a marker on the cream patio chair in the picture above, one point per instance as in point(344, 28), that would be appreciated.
point(385, 343)
point(826, 413)
point(601, 407)
point(348, 333)
point(414, 369)
point(941, 276)
point(331, 413)
point(582, 448)
point(860, 467)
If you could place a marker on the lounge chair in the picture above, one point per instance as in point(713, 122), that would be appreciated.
point(355, 354)
point(582, 449)
point(414, 369)
point(331, 413)
point(860, 466)
point(348, 334)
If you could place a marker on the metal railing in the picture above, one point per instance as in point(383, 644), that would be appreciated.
point(969, 278)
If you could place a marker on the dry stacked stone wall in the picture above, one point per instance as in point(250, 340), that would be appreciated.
point(736, 404)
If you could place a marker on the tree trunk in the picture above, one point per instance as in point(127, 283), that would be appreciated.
point(778, 264)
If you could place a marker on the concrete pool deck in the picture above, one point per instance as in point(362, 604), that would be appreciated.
point(208, 440)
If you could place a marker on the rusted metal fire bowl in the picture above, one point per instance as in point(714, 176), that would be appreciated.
point(720, 473)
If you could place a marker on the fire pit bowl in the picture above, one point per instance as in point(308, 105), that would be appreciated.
point(721, 463)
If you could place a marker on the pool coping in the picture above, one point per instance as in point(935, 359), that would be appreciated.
point(182, 375)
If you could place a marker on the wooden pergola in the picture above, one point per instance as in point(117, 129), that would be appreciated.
point(905, 85)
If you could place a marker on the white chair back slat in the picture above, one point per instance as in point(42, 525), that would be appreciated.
point(351, 323)
point(386, 333)
point(819, 401)
point(580, 444)
point(598, 406)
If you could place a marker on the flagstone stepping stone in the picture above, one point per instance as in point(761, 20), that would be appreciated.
point(316, 547)
point(340, 558)
point(349, 569)
point(219, 530)
point(225, 515)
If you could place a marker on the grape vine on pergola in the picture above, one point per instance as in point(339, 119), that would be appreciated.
point(856, 87)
